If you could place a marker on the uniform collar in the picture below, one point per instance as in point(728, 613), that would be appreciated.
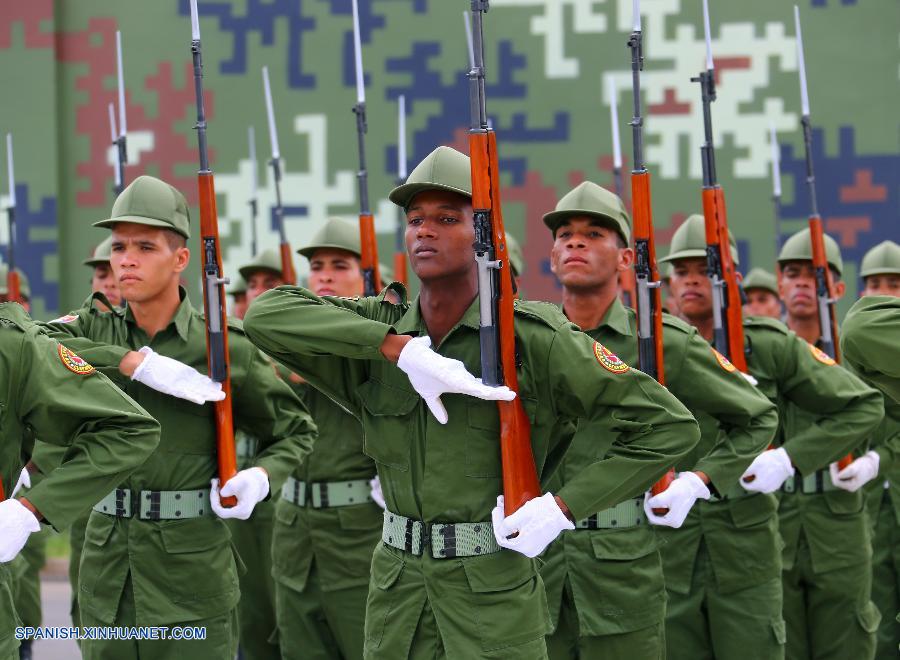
point(616, 318)
point(412, 323)
point(182, 318)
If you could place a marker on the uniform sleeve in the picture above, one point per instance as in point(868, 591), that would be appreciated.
point(107, 433)
point(653, 429)
point(886, 441)
point(870, 343)
point(706, 382)
point(327, 341)
point(74, 330)
point(268, 409)
point(844, 410)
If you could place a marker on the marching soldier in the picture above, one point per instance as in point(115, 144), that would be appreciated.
point(828, 552)
point(443, 579)
point(724, 578)
point(154, 553)
point(53, 393)
point(869, 342)
point(761, 288)
point(605, 579)
point(102, 277)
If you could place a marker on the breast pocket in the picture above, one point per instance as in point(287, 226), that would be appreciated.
point(198, 544)
point(483, 436)
point(388, 417)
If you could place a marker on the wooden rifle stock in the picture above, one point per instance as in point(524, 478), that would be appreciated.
point(400, 274)
point(288, 274)
point(13, 286)
point(368, 258)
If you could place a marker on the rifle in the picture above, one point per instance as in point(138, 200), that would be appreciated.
point(114, 141)
point(825, 297)
point(495, 287)
point(254, 187)
point(646, 272)
point(213, 280)
point(287, 263)
point(400, 247)
point(626, 278)
point(776, 184)
point(13, 281)
point(728, 322)
point(120, 140)
point(368, 245)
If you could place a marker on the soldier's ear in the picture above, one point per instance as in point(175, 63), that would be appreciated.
point(182, 259)
point(626, 258)
point(840, 288)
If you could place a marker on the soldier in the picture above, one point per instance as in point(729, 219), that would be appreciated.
point(869, 342)
point(761, 288)
point(828, 553)
point(326, 523)
point(53, 393)
point(440, 471)
point(102, 278)
point(154, 554)
point(880, 270)
point(605, 579)
point(238, 293)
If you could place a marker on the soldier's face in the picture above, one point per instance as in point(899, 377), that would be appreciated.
point(261, 281)
point(887, 284)
point(587, 255)
point(146, 262)
point(691, 288)
point(239, 306)
point(761, 302)
point(104, 281)
point(797, 289)
point(335, 272)
point(439, 235)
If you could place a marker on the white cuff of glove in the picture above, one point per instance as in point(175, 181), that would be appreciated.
point(768, 471)
point(377, 494)
point(17, 523)
point(250, 487)
point(531, 528)
point(24, 482)
point(856, 475)
point(678, 499)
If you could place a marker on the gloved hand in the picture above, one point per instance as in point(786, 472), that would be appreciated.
point(749, 378)
point(16, 524)
point(860, 472)
point(176, 379)
point(23, 482)
point(768, 471)
point(678, 498)
point(250, 486)
point(432, 374)
point(377, 495)
point(536, 524)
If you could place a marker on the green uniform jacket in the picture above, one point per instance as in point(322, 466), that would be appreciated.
point(620, 595)
point(338, 540)
point(869, 342)
point(182, 570)
point(107, 435)
point(886, 442)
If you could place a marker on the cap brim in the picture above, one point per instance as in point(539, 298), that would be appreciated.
point(555, 218)
point(403, 195)
point(140, 220)
point(884, 270)
point(93, 263)
point(310, 249)
point(683, 254)
point(247, 271)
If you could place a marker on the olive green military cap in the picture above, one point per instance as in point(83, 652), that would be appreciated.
point(758, 278)
point(689, 241)
point(267, 260)
point(237, 287)
point(101, 254)
point(149, 201)
point(24, 286)
point(335, 234)
point(516, 256)
point(799, 248)
point(589, 199)
point(442, 169)
point(883, 259)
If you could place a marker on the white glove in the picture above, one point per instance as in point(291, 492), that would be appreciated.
point(16, 524)
point(768, 471)
point(377, 495)
point(250, 486)
point(749, 378)
point(860, 472)
point(535, 525)
point(176, 379)
point(23, 482)
point(678, 498)
point(432, 374)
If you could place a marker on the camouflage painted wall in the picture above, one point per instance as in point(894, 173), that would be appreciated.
point(548, 61)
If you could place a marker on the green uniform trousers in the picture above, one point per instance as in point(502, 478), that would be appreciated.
point(76, 545)
point(320, 625)
point(706, 623)
point(829, 615)
point(566, 642)
point(886, 579)
point(421, 607)
point(27, 589)
point(220, 642)
point(256, 611)
point(9, 645)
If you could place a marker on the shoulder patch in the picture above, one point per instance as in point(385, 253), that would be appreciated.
point(74, 363)
point(68, 318)
point(821, 356)
point(723, 361)
point(609, 360)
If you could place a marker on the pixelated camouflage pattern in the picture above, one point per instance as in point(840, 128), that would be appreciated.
point(548, 61)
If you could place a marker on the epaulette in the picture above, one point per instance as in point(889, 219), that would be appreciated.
point(235, 324)
point(766, 322)
point(545, 312)
point(677, 323)
point(13, 315)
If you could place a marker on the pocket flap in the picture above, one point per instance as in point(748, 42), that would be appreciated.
point(386, 568)
point(196, 535)
point(381, 399)
point(623, 544)
point(498, 571)
point(842, 502)
point(99, 529)
point(752, 509)
point(286, 514)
